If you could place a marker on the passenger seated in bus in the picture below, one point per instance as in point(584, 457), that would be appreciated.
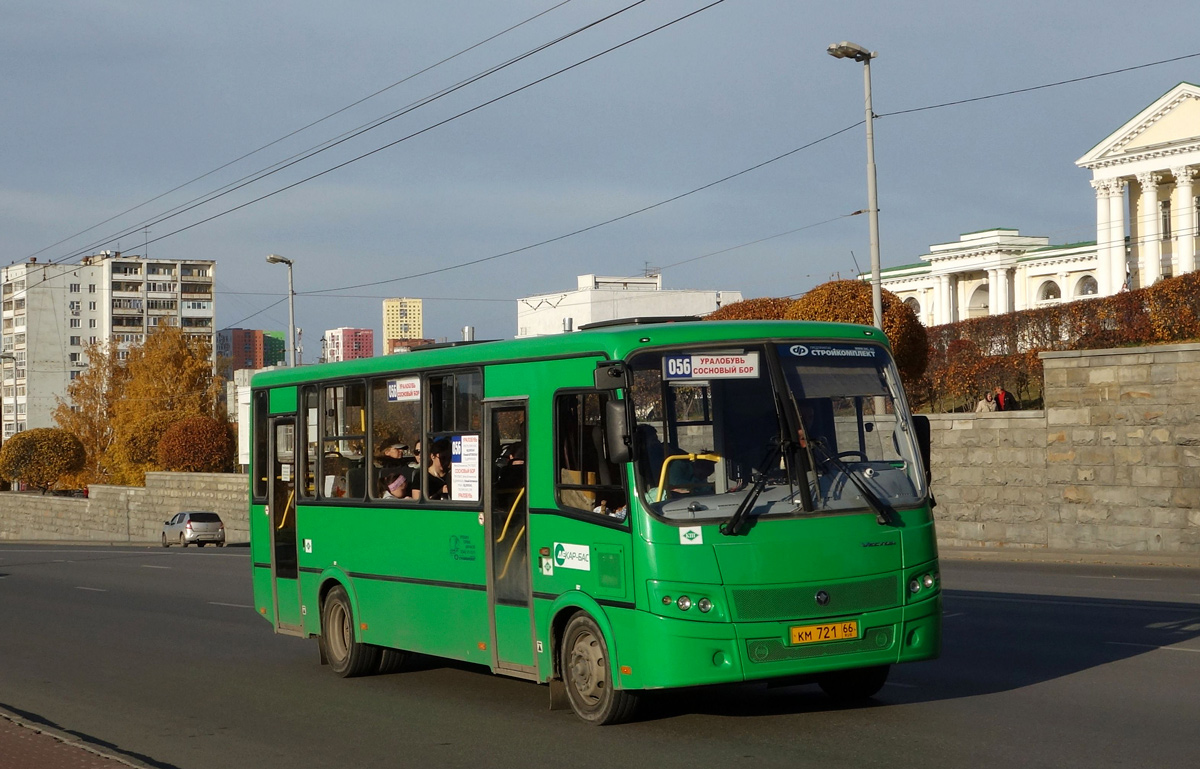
point(436, 482)
point(396, 485)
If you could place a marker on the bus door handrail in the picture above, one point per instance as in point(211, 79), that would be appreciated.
point(286, 508)
point(508, 520)
point(512, 549)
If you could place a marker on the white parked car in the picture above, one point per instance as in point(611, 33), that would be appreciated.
point(194, 528)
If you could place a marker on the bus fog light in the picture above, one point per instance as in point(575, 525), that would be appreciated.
point(667, 600)
point(927, 581)
point(704, 605)
point(914, 586)
point(684, 603)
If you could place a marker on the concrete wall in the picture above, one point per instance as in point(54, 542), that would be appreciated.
point(126, 514)
point(1112, 465)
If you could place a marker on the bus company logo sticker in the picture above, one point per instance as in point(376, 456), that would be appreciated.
point(798, 350)
point(691, 535)
point(572, 556)
point(462, 548)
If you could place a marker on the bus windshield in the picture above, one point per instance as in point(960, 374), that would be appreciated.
point(795, 428)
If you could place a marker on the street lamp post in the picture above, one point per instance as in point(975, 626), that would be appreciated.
point(291, 336)
point(845, 50)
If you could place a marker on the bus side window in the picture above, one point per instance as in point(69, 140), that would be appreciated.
point(584, 478)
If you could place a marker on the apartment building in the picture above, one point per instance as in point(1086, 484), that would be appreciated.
point(402, 319)
point(249, 348)
point(51, 311)
point(347, 344)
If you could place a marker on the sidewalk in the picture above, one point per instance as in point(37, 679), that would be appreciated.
point(25, 745)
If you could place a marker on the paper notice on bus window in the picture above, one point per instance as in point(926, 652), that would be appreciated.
point(711, 366)
point(464, 468)
point(406, 389)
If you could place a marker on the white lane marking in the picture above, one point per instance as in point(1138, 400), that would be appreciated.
point(234, 605)
point(1049, 601)
point(955, 614)
point(92, 589)
point(901, 686)
point(1126, 579)
point(149, 566)
point(1152, 646)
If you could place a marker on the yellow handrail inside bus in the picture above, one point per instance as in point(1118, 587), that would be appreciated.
point(511, 550)
point(508, 520)
point(286, 508)
point(662, 477)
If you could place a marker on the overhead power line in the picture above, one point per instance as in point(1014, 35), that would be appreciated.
point(303, 128)
point(276, 168)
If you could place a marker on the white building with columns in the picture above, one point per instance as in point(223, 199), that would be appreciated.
point(1140, 237)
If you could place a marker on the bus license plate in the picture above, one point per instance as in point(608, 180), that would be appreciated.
point(834, 631)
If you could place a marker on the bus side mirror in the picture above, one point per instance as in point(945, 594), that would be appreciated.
point(617, 440)
point(924, 443)
point(611, 375)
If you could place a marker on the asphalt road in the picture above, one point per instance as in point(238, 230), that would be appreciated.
point(158, 656)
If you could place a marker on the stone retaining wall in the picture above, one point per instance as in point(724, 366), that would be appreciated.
point(124, 513)
point(1111, 465)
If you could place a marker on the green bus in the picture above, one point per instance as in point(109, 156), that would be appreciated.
point(639, 505)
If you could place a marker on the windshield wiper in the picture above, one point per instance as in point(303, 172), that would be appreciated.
point(884, 513)
point(730, 528)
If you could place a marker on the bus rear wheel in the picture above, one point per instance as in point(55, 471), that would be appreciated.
point(391, 660)
point(347, 657)
point(851, 686)
point(587, 675)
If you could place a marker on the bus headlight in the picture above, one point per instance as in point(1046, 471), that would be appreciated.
point(704, 605)
point(684, 603)
point(927, 581)
point(914, 585)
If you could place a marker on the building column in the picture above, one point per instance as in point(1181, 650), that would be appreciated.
point(941, 300)
point(1118, 259)
point(1184, 213)
point(1149, 236)
point(1104, 251)
point(993, 279)
point(1021, 288)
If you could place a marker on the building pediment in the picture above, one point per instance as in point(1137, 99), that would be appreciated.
point(1169, 126)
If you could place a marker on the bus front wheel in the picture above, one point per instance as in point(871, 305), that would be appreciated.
point(851, 686)
point(347, 657)
point(587, 675)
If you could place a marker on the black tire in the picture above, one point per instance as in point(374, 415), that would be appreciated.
point(588, 678)
point(165, 542)
point(847, 687)
point(347, 657)
point(182, 541)
point(391, 660)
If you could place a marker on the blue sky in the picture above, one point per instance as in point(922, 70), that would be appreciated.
point(110, 104)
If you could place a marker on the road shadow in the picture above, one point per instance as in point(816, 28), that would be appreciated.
point(102, 746)
point(991, 642)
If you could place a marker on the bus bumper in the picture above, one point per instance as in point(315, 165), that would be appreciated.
point(662, 652)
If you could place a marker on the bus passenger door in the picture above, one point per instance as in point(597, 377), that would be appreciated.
point(281, 501)
point(506, 505)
